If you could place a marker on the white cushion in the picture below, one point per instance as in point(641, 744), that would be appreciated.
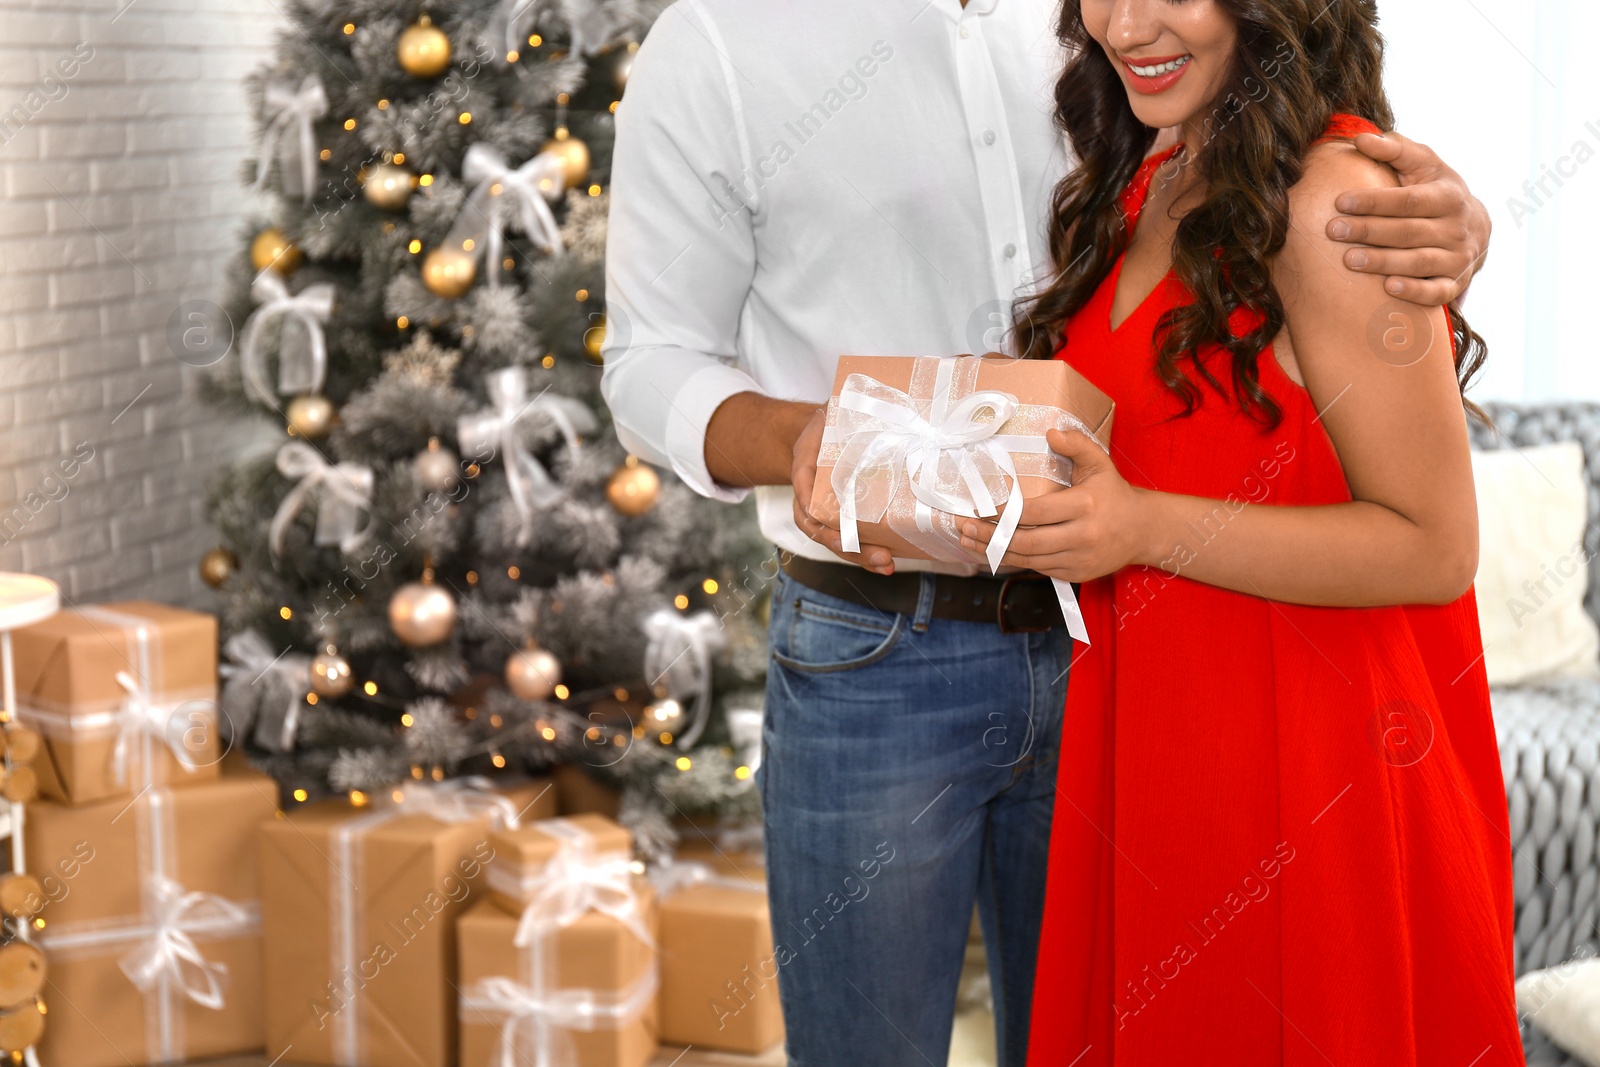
point(1532, 568)
point(1564, 1004)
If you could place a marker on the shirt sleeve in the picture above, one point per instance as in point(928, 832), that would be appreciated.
point(680, 250)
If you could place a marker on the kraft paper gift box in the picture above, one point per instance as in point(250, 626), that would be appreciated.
point(151, 931)
point(880, 461)
point(359, 902)
point(125, 696)
point(558, 966)
point(719, 972)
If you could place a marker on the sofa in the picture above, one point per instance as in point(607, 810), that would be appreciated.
point(1549, 736)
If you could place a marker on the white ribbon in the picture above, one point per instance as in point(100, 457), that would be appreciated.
point(503, 195)
point(251, 661)
point(460, 800)
point(170, 953)
point(144, 717)
point(291, 114)
point(301, 368)
point(678, 658)
point(537, 1022)
point(949, 456)
point(496, 429)
point(346, 491)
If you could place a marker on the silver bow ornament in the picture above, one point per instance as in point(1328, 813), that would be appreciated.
point(677, 658)
point(302, 347)
point(169, 954)
point(250, 661)
point(497, 430)
point(503, 196)
point(918, 460)
point(291, 112)
point(345, 491)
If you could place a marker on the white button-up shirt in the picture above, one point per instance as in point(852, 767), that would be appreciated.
point(794, 181)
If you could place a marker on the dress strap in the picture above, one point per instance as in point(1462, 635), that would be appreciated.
point(1342, 127)
point(1138, 190)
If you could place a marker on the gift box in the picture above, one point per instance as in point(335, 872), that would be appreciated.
point(719, 972)
point(125, 696)
point(359, 902)
point(559, 965)
point(913, 443)
point(151, 927)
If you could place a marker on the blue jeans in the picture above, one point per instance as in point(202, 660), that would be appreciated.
point(908, 771)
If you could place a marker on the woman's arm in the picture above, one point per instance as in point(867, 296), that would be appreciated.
point(1393, 413)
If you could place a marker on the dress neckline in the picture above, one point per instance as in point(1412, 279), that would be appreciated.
point(1133, 202)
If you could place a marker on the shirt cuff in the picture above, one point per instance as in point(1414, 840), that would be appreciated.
point(689, 413)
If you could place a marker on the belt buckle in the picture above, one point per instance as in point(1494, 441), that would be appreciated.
point(1000, 610)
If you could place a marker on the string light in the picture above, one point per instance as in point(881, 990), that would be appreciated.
point(285, 613)
point(383, 105)
point(548, 361)
point(512, 56)
point(402, 322)
point(325, 155)
point(613, 107)
point(620, 694)
point(399, 157)
point(548, 733)
point(496, 721)
point(300, 796)
point(683, 763)
point(498, 760)
point(666, 738)
point(357, 797)
point(741, 773)
point(371, 689)
point(399, 797)
point(416, 771)
point(562, 692)
point(349, 124)
point(406, 719)
point(425, 181)
point(535, 40)
point(594, 190)
point(513, 572)
point(437, 774)
point(349, 28)
point(465, 118)
point(710, 585)
point(311, 698)
point(583, 294)
point(680, 602)
point(414, 247)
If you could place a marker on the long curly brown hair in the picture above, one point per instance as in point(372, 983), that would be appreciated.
point(1298, 63)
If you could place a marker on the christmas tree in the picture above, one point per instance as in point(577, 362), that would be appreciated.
point(449, 566)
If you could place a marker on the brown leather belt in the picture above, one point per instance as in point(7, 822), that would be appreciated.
point(1018, 603)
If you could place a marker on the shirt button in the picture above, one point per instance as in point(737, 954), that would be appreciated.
point(1010, 250)
point(965, 33)
point(988, 137)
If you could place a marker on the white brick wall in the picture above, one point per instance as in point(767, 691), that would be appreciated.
point(121, 202)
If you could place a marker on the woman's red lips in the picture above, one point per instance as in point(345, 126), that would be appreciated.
point(1158, 83)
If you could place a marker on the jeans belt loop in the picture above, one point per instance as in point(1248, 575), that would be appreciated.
point(926, 588)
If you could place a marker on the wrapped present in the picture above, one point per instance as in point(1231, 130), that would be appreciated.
point(359, 900)
point(151, 931)
point(719, 971)
point(558, 968)
point(914, 444)
point(125, 696)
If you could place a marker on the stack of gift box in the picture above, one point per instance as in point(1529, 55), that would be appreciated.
point(146, 847)
point(432, 924)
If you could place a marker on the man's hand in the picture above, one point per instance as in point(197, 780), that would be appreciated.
point(1429, 236)
point(803, 475)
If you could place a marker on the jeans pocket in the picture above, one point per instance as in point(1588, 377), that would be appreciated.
point(817, 634)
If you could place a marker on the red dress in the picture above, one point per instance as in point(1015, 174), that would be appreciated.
point(1281, 834)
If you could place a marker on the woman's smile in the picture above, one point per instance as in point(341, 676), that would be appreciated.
point(1154, 75)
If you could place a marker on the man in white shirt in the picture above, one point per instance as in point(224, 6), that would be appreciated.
point(797, 181)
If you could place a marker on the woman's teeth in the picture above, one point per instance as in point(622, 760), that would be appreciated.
point(1157, 71)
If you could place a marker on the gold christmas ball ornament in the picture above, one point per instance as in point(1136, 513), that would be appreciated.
point(448, 272)
point(633, 488)
point(574, 156)
point(533, 673)
point(388, 186)
point(423, 49)
point(436, 468)
point(331, 674)
point(594, 339)
point(217, 566)
point(422, 614)
point(272, 249)
point(310, 417)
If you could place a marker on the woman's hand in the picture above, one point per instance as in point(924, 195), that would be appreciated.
point(1096, 526)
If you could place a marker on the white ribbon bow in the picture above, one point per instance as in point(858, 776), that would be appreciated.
point(301, 367)
point(546, 1016)
point(170, 954)
point(461, 800)
point(574, 883)
point(902, 439)
point(503, 195)
point(298, 108)
point(496, 429)
point(252, 661)
point(143, 716)
point(678, 658)
point(346, 491)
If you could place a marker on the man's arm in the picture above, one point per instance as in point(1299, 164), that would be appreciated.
point(1430, 236)
point(680, 256)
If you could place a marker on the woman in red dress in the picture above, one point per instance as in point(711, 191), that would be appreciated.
point(1281, 836)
